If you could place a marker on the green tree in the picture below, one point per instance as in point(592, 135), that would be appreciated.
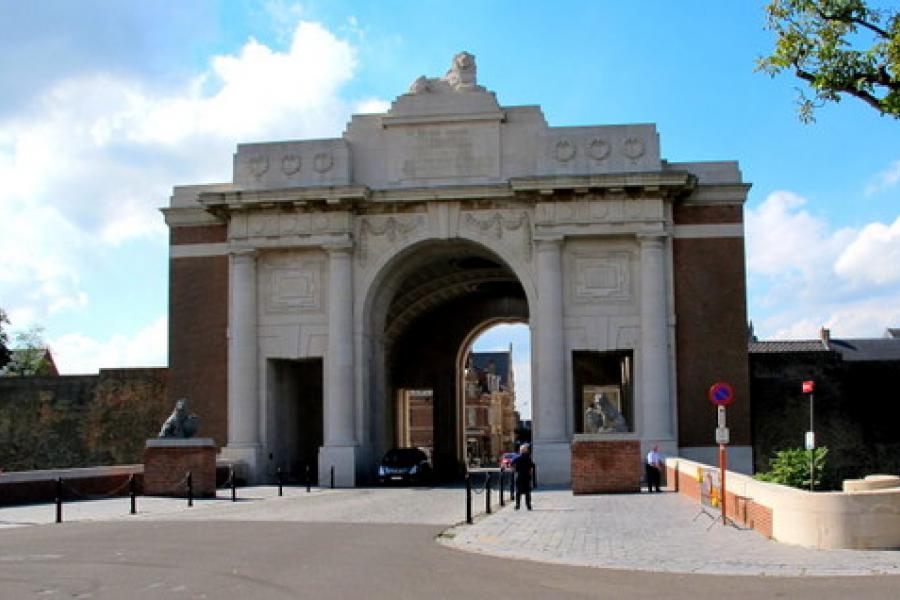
point(29, 355)
point(4, 340)
point(837, 47)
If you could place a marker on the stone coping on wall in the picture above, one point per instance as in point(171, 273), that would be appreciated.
point(864, 520)
point(77, 473)
point(179, 442)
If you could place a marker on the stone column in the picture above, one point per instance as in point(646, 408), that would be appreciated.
point(339, 450)
point(243, 401)
point(654, 352)
point(551, 446)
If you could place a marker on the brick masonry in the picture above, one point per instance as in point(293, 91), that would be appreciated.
point(711, 336)
point(198, 347)
point(165, 469)
point(743, 511)
point(604, 467)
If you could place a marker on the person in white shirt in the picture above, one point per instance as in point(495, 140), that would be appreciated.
point(653, 468)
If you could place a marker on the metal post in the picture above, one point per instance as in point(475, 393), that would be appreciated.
point(533, 475)
point(332, 476)
point(280, 483)
point(132, 491)
point(812, 451)
point(512, 485)
point(59, 499)
point(307, 479)
point(723, 466)
point(500, 488)
point(468, 499)
point(233, 486)
point(190, 484)
point(487, 493)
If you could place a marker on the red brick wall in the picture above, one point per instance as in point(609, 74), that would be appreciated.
point(601, 467)
point(205, 234)
point(686, 214)
point(198, 346)
point(165, 469)
point(711, 336)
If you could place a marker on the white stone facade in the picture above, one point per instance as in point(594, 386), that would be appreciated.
point(317, 230)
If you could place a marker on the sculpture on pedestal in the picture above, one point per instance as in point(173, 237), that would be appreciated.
point(180, 424)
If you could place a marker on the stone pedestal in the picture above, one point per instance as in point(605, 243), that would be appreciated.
point(605, 466)
point(168, 460)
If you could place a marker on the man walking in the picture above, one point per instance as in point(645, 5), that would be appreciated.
point(653, 468)
point(523, 466)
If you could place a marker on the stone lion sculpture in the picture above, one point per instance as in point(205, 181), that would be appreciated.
point(462, 76)
point(180, 424)
point(613, 421)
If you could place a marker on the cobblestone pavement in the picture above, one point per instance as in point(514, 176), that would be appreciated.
point(649, 532)
point(645, 532)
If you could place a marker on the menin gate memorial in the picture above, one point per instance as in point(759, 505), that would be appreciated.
point(331, 275)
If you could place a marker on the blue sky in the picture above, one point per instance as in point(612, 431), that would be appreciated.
point(108, 104)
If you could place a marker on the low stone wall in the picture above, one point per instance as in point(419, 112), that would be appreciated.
point(28, 487)
point(855, 520)
point(606, 466)
point(167, 462)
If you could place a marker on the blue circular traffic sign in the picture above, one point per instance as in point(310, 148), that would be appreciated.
point(721, 393)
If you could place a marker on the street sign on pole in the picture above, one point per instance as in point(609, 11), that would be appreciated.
point(810, 440)
point(721, 394)
point(809, 387)
point(722, 435)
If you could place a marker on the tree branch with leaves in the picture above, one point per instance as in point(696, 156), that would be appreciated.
point(838, 47)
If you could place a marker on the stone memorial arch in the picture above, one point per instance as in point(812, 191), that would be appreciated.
point(331, 273)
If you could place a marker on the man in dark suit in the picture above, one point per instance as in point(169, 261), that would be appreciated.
point(523, 466)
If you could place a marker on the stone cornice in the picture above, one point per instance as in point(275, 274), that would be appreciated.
point(240, 199)
point(668, 183)
point(190, 217)
point(733, 193)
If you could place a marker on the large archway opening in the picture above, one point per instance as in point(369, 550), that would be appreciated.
point(423, 317)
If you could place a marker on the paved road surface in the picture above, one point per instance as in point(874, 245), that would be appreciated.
point(368, 544)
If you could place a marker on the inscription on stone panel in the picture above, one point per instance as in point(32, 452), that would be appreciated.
point(603, 277)
point(274, 224)
point(445, 152)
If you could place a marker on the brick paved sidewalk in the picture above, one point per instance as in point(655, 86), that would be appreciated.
point(652, 532)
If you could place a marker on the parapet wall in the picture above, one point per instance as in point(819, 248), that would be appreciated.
point(863, 520)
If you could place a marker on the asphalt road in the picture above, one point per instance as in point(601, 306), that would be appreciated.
point(260, 559)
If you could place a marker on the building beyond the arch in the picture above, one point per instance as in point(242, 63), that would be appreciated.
point(331, 274)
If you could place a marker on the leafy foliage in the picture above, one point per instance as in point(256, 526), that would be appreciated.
point(791, 467)
point(4, 340)
point(823, 43)
point(29, 356)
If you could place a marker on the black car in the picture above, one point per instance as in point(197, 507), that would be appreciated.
point(409, 465)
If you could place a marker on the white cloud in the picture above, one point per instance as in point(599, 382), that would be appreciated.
point(86, 168)
point(885, 179)
point(873, 256)
point(804, 275)
point(77, 353)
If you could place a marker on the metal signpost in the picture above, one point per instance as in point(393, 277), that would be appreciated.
point(809, 388)
point(721, 395)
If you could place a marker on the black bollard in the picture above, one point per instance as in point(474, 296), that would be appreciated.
point(233, 488)
point(190, 486)
point(307, 479)
point(468, 499)
point(500, 488)
point(280, 482)
point(512, 485)
point(59, 499)
point(533, 475)
point(487, 493)
point(132, 491)
point(332, 476)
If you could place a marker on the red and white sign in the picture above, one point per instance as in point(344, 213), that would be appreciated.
point(808, 387)
point(721, 394)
